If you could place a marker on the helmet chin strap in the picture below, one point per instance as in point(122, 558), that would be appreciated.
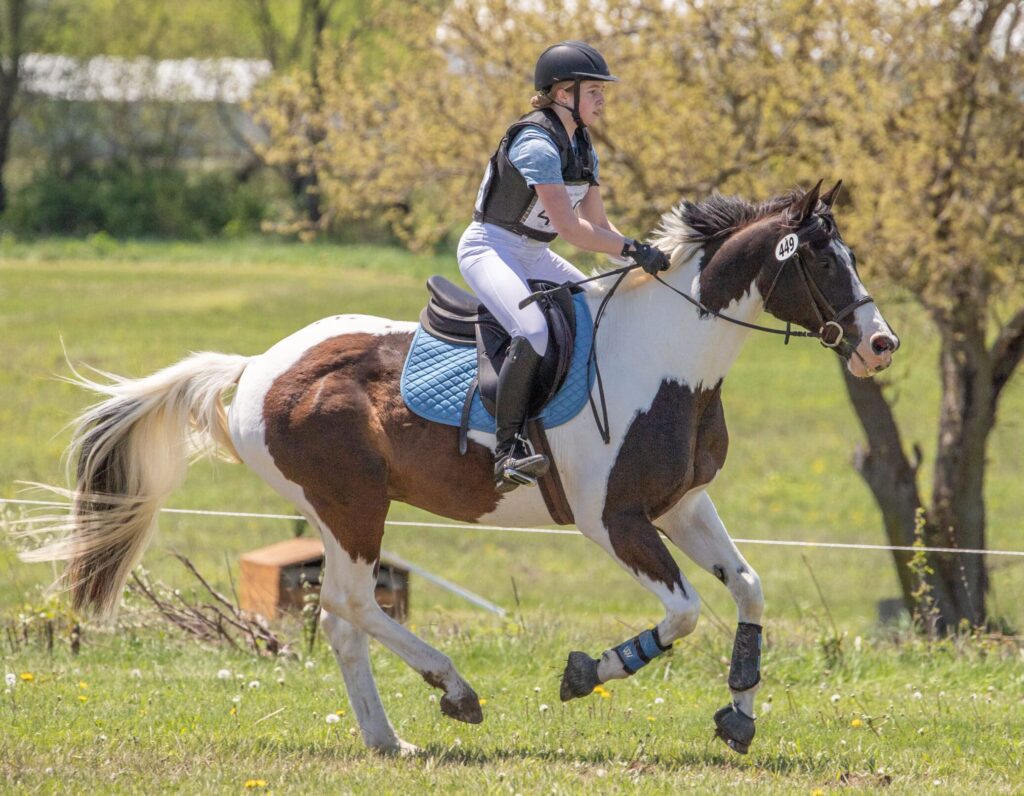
point(575, 109)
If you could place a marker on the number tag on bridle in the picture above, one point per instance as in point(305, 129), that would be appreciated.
point(787, 247)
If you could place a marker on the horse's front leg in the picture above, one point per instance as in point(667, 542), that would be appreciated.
point(631, 539)
point(694, 525)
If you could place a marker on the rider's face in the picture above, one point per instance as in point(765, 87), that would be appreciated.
point(591, 100)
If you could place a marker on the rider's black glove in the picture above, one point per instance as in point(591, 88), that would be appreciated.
point(648, 257)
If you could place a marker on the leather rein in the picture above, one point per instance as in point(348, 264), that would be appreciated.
point(814, 295)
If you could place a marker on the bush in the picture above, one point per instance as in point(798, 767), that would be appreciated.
point(126, 200)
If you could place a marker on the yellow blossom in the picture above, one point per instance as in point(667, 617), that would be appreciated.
point(483, 701)
point(602, 692)
point(83, 698)
point(28, 677)
point(255, 783)
point(82, 684)
point(856, 723)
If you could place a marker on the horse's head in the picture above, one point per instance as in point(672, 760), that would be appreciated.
point(811, 280)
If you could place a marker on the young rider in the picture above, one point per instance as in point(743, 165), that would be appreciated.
point(540, 183)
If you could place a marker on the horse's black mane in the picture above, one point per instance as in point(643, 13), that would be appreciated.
point(719, 216)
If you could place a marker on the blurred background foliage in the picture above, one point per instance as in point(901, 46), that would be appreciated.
point(372, 121)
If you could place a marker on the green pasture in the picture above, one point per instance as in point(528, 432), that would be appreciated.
point(155, 716)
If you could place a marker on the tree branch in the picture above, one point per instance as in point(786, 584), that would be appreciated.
point(1007, 352)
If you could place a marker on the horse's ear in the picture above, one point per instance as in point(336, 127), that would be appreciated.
point(830, 198)
point(803, 208)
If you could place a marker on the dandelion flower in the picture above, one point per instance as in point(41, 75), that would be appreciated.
point(255, 783)
point(254, 684)
point(136, 673)
point(224, 674)
point(544, 708)
point(310, 664)
point(602, 692)
point(917, 695)
point(28, 677)
point(835, 698)
point(659, 701)
point(856, 723)
point(83, 698)
point(233, 711)
point(333, 718)
point(82, 684)
point(536, 689)
point(10, 679)
point(483, 701)
point(339, 713)
point(236, 699)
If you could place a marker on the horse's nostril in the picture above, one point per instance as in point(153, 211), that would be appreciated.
point(881, 343)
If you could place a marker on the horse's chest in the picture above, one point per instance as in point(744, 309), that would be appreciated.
point(678, 443)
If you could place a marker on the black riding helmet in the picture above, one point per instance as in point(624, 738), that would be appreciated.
point(570, 60)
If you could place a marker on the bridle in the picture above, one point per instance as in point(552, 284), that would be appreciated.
point(817, 299)
point(828, 318)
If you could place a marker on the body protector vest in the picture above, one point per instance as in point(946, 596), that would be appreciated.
point(507, 201)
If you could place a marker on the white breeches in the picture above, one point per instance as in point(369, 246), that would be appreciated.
point(496, 264)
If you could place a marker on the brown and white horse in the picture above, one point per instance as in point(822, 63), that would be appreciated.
point(321, 419)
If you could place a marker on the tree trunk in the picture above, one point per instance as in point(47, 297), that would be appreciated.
point(957, 515)
point(956, 518)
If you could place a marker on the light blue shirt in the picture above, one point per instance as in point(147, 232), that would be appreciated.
point(535, 156)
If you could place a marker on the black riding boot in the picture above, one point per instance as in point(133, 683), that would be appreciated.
point(515, 463)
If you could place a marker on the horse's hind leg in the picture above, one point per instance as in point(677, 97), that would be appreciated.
point(348, 592)
point(351, 650)
point(694, 525)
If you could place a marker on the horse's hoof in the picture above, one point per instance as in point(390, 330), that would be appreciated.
point(579, 677)
point(397, 747)
point(735, 728)
point(466, 708)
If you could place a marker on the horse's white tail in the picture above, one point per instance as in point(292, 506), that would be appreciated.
point(132, 451)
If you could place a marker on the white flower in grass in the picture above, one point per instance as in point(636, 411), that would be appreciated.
point(224, 674)
point(135, 673)
point(659, 701)
point(333, 718)
point(11, 679)
point(766, 707)
point(835, 698)
point(236, 698)
point(310, 664)
point(254, 684)
point(917, 695)
point(544, 708)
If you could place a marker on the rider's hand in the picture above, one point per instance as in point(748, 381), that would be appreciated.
point(648, 257)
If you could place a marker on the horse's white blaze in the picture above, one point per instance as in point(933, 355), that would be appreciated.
point(869, 322)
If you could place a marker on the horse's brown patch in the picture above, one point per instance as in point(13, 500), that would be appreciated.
point(337, 426)
point(676, 445)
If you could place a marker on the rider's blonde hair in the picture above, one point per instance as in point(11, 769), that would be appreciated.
point(545, 99)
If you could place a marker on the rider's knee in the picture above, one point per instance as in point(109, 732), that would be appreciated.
point(535, 330)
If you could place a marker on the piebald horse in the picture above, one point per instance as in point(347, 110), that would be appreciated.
point(320, 418)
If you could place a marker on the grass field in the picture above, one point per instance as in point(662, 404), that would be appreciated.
point(133, 308)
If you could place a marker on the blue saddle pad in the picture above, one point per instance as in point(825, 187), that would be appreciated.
point(437, 374)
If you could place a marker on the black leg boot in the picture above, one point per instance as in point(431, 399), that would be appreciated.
point(515, 463)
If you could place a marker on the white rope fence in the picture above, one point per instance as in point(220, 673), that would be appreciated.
point(557, 532)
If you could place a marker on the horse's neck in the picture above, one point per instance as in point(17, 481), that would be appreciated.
point(650, 329)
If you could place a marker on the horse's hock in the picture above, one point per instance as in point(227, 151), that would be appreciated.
point(282, 577)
